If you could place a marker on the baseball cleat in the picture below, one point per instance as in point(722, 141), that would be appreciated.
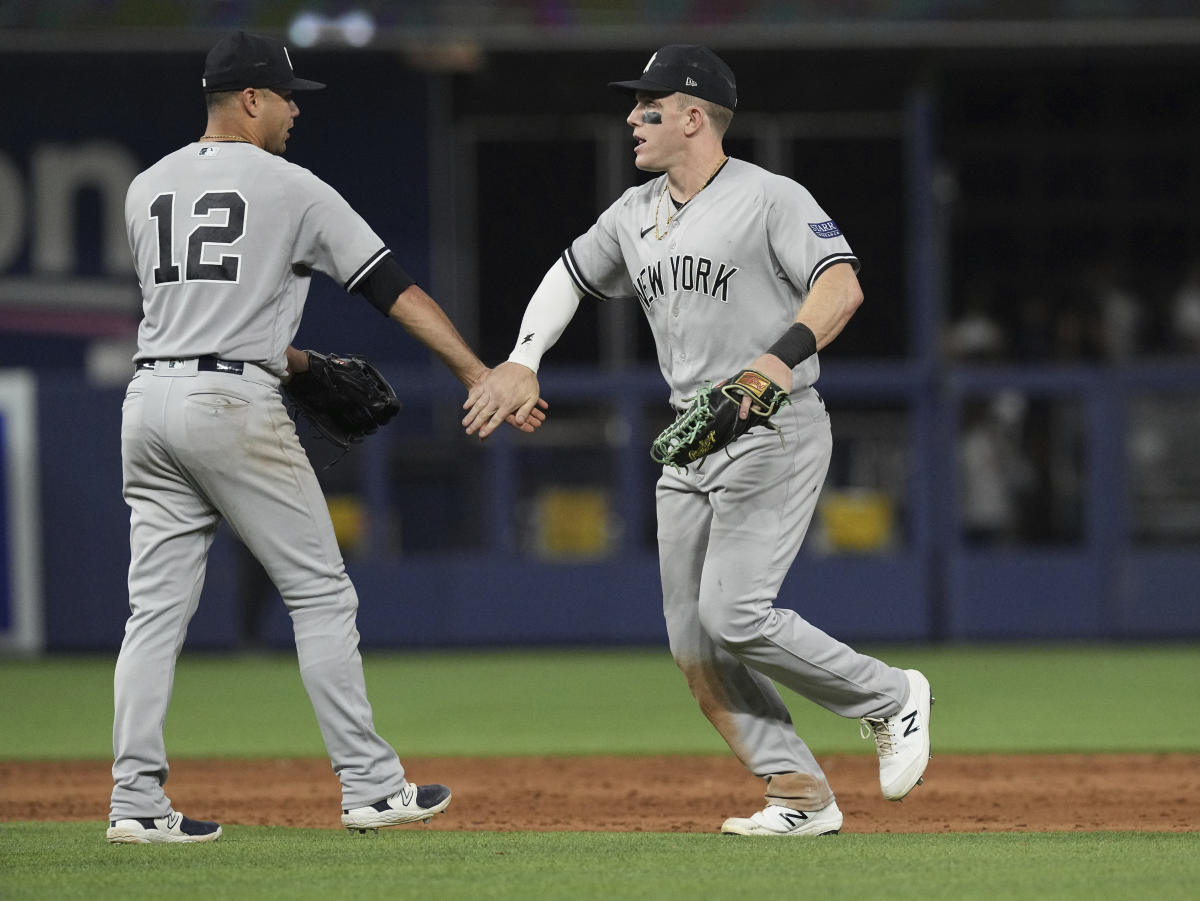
point(776, 820)
point(902, 740)
point(411, 803)
point(174, 827)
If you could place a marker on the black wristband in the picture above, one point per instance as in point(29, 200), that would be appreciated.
point(795, 345)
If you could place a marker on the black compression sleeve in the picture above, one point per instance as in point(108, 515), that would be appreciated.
point(795, 345)
point(383, 284)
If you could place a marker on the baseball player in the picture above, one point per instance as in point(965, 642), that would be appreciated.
point(225, 236)
point(734, 267)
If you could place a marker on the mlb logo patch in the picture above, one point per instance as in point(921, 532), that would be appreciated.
point(209, 150)
point(827, 229)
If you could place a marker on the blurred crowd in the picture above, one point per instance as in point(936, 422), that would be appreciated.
point(1021, 458)
point(1100, 315)
point(1020, 470)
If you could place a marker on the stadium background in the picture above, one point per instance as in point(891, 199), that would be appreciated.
point(1015, 407)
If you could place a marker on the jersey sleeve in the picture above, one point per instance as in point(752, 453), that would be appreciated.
point(595, 260)
point(330, 236)
point(804, 240)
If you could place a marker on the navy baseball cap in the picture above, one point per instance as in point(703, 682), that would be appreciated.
point(685, 69)
point(251, 61)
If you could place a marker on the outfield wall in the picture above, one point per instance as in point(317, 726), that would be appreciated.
point(507, 582)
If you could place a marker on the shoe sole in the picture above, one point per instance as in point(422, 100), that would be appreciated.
point(397, 818)
point(725, 831)
point(129, 837)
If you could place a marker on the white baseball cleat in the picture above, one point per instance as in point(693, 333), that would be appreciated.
point(411, 803)
point(174, 827)
point(776, 820)
point(902, 740)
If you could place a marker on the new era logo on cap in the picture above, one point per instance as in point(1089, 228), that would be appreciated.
point(685, 68)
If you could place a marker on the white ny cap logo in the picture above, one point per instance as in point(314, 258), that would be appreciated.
point(651, 63)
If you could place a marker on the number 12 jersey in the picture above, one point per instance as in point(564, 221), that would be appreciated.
point(225, 238)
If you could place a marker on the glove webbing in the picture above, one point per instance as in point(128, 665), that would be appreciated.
point(685, 429)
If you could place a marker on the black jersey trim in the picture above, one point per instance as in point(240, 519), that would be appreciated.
point(581, 283)
point(371, 263)
point(830, 261)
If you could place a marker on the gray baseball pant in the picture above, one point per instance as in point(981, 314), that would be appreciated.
point(198, 447)
point(729, 528)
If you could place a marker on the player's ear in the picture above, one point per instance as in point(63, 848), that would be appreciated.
point(249, 98)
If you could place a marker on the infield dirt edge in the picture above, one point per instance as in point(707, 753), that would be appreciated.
point(667, 793)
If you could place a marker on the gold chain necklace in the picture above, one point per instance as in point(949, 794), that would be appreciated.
point(671, 216)
point(224, 138)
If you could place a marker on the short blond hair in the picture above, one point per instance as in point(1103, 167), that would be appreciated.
point(720, 116)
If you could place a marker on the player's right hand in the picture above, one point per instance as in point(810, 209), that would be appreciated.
point(509, 393)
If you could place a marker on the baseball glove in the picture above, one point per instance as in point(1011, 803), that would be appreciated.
point(711, 422)
point(345, 398)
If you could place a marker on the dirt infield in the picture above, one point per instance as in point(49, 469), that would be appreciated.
point(962, 793)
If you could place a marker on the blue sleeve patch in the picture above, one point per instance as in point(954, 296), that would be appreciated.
point(825, 229)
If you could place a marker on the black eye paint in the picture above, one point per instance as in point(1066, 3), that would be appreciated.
point(652, 117)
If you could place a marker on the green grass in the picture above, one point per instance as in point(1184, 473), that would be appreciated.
point(1086, 698)
point(1055, 698)
point(39, 860)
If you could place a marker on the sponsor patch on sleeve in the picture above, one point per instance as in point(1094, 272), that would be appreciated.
point(827, 229)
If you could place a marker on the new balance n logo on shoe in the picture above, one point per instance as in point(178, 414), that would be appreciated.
point(910, 724)
point(793, 819)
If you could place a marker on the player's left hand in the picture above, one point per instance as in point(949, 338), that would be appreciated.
point(711, 421)
point(509, 393)
point(774, 369)
point(345, 397)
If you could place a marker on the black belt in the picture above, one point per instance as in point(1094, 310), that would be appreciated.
point(203, 364)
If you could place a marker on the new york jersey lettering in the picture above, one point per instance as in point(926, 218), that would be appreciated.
point(696, 275)
point(649, 284)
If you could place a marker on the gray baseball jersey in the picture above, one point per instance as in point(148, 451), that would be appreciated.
point(719, 283)
point(727, 276)
point(225, 237)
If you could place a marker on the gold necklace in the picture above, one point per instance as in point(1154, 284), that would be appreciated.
point(224, 138)
point(671, 216)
